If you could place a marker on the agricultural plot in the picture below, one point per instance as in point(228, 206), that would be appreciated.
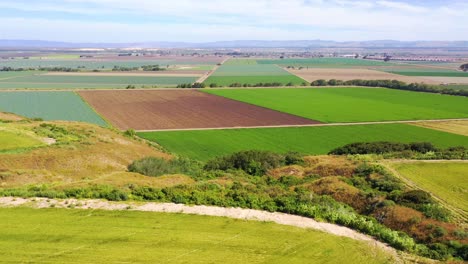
point(7, 75)
point(91, 81)
point(352, 104)
point(49, 106)
point(313, 74)
point(251, 74)
point(240, 62)
point(119, 236)
point(433, 73)
point(324, 62)
point(450, 80)
point(206, 144)
point(456, 127)
point(445, 180)
point(180, 109)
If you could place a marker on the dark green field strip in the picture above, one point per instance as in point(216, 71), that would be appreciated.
point(228, 80)
point(206, 144)
point(94, 236)
point(49, 106)
point(432, 73)
point(8, 75)
point(352, 104)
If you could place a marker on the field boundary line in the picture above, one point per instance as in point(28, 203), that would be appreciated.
point(216, 211)
point(311, 125)
point(210, 72)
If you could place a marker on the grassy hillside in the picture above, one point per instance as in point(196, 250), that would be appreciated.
point(203, 145)
point(38, 235)
point(446, 180)
point(352, 104)
point(83, 155)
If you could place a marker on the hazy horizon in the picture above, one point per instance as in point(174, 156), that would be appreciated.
point(119, 21)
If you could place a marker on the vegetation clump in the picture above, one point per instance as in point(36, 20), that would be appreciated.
point(152, 166)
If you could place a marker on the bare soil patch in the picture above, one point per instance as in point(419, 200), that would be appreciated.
point(450, 80)
point(313, 74)
point(182, 109)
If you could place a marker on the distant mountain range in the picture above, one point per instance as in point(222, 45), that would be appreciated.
point(5, 43)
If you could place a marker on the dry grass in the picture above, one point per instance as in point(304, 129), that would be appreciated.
point(313, 74)
point(10, 117)
point(101, 157)
point(451, 80)
point(456, 127)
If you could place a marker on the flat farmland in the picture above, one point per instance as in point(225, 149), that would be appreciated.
point(332, 105)
point(446, 180)
point(72, 81)
point(457, 80)
point(207, 144)
point(313, 74)
point(431, 73)
point(456, 127)
point(181, 109)
point(49, 106)
point(122, 236)
point(251, 74)
point(324, 62)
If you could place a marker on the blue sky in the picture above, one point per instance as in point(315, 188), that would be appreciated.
point(213, 20)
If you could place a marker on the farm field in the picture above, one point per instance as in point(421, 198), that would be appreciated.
point(5, 75)
point(102, 63)
point(352, 104)
point(89, 81)
point(456, 127)
point(119, 236)
point(324, 62)
point(240, 62)
point(49, 106)
point(248, 73)
point(313, 74)
point(207, 144)
point(457, 80)
point(432, 73)
point(179, 109)
point(10, 140)
point(446, 180)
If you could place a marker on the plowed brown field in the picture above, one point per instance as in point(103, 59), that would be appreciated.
point(182, 109)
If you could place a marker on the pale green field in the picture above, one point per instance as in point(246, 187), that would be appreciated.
point(11, 140)
point(93, 236)
point(446, 180)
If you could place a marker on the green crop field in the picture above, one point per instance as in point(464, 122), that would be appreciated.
point(10, 140)
point(206, 144)
point(228, 80)
point(240, 62)
point(431, 73)
point(85, 236)
point(446, 180)
point(8, 75)
point(250, 70)
point(64, 81)
point(49, 106)
point(352, 104)
point(90, 64)
point(324, 62)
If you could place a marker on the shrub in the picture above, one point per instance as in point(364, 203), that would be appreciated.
point(152, 166)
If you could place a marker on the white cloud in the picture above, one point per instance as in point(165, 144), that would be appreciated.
point(242, 19)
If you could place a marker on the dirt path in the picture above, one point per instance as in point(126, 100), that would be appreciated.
point(315, 125)
point(236, 213)
point(206, 75)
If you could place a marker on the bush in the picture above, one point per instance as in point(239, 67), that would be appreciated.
point(152, 166)
point(381, 147)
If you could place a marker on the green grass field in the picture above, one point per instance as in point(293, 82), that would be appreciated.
point(446, 180)
point(352, 104)
point(90, 236)
point(56, 81)
point(49, 106)
point(5, 75)
point(240, 62)
point(206, 144)
point(228, 80)
point(250, 70)
point(324, 62)
point(431, 73)
point(11, 141)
